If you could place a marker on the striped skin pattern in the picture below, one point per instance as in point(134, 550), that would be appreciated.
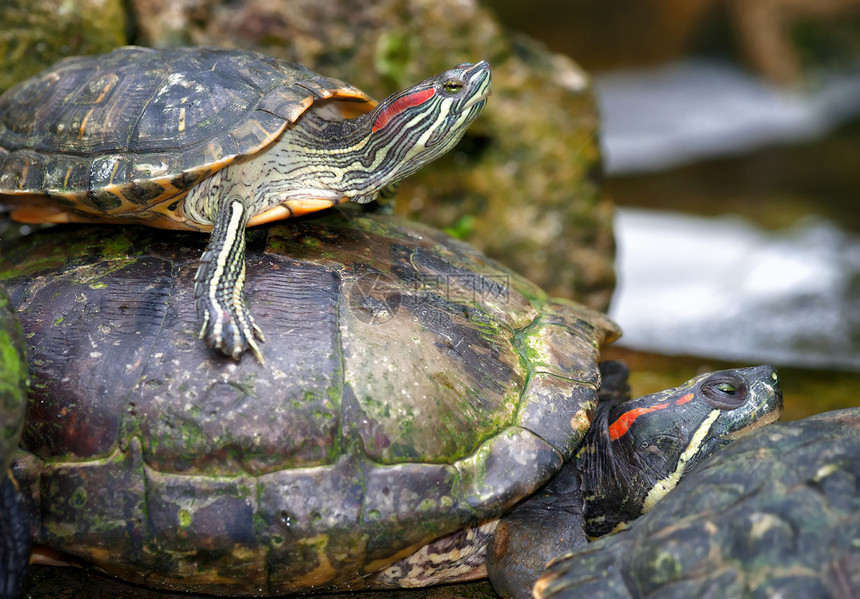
point(323, 157)
point(215, 299)
point(457, 557)
point(651, 442)
point(319, 162)
point(169, 138)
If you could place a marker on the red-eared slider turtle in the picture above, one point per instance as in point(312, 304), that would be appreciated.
point(776, 514)
point(215, 140)
point(415, 391)
point(14, 536)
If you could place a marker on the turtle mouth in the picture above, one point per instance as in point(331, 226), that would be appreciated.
point(481, 79)
point(768, 418)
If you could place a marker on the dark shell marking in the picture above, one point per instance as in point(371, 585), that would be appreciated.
point(124, 132)
point(412, 387)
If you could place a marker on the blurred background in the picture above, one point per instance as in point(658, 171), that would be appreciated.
point(731, 141)
point(689, 165)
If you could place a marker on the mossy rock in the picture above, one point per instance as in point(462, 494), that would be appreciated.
point(37, 33)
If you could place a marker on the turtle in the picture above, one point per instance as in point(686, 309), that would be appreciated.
point(14, 533)
point(418, 392)
point(215, 140)
point(776, 514)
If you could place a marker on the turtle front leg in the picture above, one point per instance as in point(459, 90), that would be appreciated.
point(219, 286)
point(548, 524)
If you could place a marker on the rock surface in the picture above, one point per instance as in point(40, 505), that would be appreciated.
point(37, 33)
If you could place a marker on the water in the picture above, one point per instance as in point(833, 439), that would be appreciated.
point(664, 117)
point(723, 287)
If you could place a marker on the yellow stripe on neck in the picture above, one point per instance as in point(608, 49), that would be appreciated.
point(663, 486)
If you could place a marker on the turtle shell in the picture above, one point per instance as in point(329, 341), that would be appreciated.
point(412, 386)
point(774, 514)
point(125, 135)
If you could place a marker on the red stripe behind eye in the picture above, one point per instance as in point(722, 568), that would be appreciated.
point(407, 101)
point(684, 399)
point(619, 428)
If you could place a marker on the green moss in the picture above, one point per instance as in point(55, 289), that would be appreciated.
point(379, 408)
point(530, 347)
point(13, 367)
point(407, 426)
point(666, 567)
point(184, 519)
point(116, 247)
point(79, 497)
point(394, 54)
point(31, 267)
point(462, 228)
point(13, 377)
point(333, 394)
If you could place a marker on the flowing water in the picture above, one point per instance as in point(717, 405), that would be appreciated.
point(738, 227)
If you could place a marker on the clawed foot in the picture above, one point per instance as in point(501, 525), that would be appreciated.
point(229, 328)
point(220, 283)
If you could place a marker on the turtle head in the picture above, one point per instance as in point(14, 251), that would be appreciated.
point(417, 125)
point(636, 451)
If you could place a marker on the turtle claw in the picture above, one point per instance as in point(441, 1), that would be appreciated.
point(258, 333)
point(230, 331)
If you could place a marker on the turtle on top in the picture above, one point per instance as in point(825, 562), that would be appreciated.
point(215, 140)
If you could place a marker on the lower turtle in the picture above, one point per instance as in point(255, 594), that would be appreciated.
point(415, 393)
point(776, 514)
point(14, 532)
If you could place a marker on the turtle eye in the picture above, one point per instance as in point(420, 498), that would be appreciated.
point(452, 86)
point(724, 392)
